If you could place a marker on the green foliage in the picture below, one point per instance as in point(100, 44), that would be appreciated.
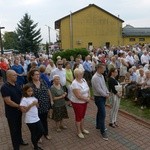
point(71, 52)
point(130, 106)
point(10, 40)
point(28, 37)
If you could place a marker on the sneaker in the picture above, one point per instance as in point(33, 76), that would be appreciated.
point(85, 131)
point(63, 127)
point(104, 136)
point(58, 130)
point(40, 140)
point(48, 137)
point(81, 136)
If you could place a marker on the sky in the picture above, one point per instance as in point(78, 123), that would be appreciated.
point(46, 12)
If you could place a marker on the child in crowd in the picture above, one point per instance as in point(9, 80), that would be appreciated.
point(28, 106)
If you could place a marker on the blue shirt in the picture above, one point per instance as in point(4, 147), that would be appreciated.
point(87, 66)
point(19, 70)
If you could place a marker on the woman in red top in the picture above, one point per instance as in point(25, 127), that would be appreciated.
point(4, 67)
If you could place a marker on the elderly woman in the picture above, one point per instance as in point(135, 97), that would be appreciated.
point(146, 91)
point(80, 97)
point(123, 66)
point(115, 96)
point(59, 106)
point(42, 93)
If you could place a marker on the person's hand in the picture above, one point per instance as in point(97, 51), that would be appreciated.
point(91, 98)
point(88, 100)
point(119, 94)
point(64, 95)
point(107, 96)
point(34, 103)
point(52, 103)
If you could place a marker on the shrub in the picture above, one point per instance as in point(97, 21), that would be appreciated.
point(71, 52)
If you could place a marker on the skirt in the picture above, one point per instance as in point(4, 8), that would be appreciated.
point(59, 113)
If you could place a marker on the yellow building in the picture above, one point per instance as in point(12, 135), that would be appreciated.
point(91, 25)
point(133, 35)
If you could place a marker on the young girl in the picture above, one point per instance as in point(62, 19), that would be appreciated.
point(28, 106)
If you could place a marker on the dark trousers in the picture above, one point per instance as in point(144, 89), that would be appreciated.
point(43, 118)
point(88, 77)
point(3, 72)
point(101, 113)
point(37, 131)
point(15, 124)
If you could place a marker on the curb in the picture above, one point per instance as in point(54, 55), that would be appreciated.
point(139, 120)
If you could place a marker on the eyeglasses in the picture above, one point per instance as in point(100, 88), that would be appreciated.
point(60, 64)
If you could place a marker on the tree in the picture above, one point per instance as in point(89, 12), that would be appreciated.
point(28, 37)
point(10, 40)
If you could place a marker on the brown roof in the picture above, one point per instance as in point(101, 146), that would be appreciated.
point(57, 22)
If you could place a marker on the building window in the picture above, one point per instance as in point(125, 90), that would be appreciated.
point(141, 39)
point(132, 39)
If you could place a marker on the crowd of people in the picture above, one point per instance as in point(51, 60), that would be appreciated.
point(41, 88)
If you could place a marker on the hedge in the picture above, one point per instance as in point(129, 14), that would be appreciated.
point(71, 52)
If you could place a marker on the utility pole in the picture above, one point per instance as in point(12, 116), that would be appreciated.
point(71, 31)
point(49, 38)
point(1, 43)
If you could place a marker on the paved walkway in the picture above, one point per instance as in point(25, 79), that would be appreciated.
point(130, 135)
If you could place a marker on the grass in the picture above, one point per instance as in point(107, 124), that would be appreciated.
point(132, 108)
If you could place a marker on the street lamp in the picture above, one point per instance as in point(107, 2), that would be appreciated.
point(1, 43)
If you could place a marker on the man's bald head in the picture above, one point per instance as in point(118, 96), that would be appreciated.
point(11, 76)
point(10, 73)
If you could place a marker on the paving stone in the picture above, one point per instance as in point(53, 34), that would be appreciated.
point(130, 135)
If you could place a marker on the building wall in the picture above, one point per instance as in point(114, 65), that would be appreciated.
point(134, 40)
point(90, 25)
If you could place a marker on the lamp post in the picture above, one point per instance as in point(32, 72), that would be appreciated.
point(1, 43)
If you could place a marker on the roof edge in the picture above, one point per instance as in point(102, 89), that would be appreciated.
point(57, 22)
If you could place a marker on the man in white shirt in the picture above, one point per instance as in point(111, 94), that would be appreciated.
point(144, 58)
point(101, 93)
point(130, 59)
point(59, 71)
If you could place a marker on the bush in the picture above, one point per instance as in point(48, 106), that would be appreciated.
point(70, 52)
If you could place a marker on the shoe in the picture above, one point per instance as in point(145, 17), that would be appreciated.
point(142, 107)
point(58, 130)
point(69, 105)
point(81, 136)
point(63, 127)
point(40, 140)
point(112, 125)
point(38, 148)
point(135, 100)
point(116, 125)
point(24, 143)
point(48, 137)
point(104, 136)
point(105, 129)
point(85, 131)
